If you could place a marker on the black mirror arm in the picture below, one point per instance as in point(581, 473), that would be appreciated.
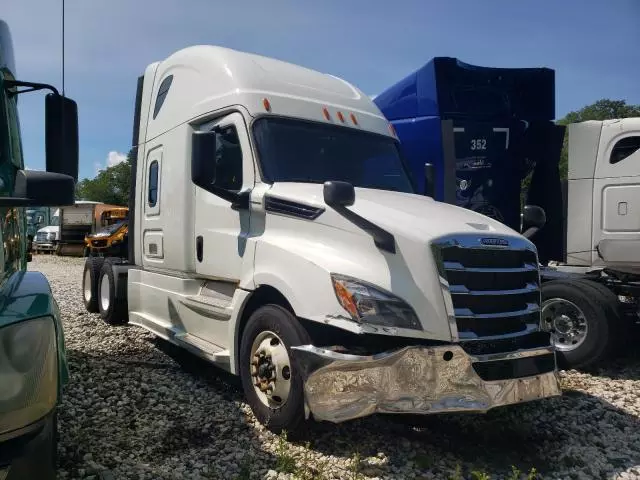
point(382, 239)
point(242, 200)
point(530, 232)
point(239, 200)
point(29, 87)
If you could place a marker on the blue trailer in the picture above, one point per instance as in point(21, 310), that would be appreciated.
point(484, 130)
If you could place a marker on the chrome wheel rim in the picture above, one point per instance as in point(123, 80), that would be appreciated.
point(270, 369)
point(105, 299)
point(566, 323)
point(87, 286)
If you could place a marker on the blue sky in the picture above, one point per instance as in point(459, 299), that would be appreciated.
point(594, 46)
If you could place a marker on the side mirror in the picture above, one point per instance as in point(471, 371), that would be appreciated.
point(429, 180)
point(533, 216)
point(203, 154)
point(204, 145)
point(61, 135)
point(43, 189)
point(339, 194)
point(533, 219)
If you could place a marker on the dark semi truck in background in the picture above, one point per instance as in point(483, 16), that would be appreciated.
point(485, 139)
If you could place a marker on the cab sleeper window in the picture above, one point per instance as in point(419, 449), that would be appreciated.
point(163, 90)
point(624, 148)
point(153, 184)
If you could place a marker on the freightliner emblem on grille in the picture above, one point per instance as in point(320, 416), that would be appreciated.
point(501, 242)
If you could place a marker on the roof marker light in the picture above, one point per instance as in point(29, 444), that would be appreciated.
point(266, 104)
point(354, 119)
point(326, 113)
point(341, 117)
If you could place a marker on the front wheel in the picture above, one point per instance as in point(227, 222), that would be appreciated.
point(272, 385)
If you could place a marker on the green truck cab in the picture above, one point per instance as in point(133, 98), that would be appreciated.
point(33, 367)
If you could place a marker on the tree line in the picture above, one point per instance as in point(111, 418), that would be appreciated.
point(111, 185)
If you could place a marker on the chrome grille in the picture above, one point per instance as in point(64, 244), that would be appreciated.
point(494, 291)
point(41, 237)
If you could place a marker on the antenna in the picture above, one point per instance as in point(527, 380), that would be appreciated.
point(63, 48)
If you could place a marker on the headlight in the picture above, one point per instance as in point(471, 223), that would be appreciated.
point(368, 304)
point(28, 372)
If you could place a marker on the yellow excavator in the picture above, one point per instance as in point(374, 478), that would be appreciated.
point(111, 240)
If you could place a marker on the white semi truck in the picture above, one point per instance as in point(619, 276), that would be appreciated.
point(591, 298)
point(275, 232)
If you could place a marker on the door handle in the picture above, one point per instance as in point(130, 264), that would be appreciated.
point(199, 248)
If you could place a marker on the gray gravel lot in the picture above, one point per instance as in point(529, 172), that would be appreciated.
point(137, 408)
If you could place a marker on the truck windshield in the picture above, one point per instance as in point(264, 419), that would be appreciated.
point(113, 228)
point(299, 151)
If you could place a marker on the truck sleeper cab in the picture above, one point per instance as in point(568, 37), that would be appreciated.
point(590, 295)
point(261, 239)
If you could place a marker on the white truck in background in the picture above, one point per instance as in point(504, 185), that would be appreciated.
point(591, 298)
point(262, 239)
point(46, 238)
point(78, 219)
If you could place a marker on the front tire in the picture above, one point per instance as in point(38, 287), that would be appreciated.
point(90, 277)
point(581, 320)
point(112, 302)
point(272, 384)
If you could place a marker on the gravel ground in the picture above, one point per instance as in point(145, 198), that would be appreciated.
point(137, 408)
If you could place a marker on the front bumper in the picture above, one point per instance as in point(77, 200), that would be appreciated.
point(421, 380)
point(44, 245)
point(30, 452)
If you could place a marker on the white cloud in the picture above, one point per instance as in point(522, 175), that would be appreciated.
point(115, 158)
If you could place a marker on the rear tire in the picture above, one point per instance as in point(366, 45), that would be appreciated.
point(112, 302)
point(581, 319)
point(90, 276)
point(269, 329)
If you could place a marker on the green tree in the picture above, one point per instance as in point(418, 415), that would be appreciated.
point(604, 109)
point(110, 185)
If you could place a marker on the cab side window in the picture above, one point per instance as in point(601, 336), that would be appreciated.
point(228, 159)
point(153, 184)
point(624, 148)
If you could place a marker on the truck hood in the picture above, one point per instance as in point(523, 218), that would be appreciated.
point(411, 216)
point(49, 229)
point(298, 238)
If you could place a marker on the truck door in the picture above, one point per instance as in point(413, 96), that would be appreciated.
point(616, 196)
point(220, 230)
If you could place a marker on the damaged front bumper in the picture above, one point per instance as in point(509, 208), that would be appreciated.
point(421, 380)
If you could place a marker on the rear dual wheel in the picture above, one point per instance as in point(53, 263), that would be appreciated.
point(99, 291)
point(90, 277)
point(112, 296)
